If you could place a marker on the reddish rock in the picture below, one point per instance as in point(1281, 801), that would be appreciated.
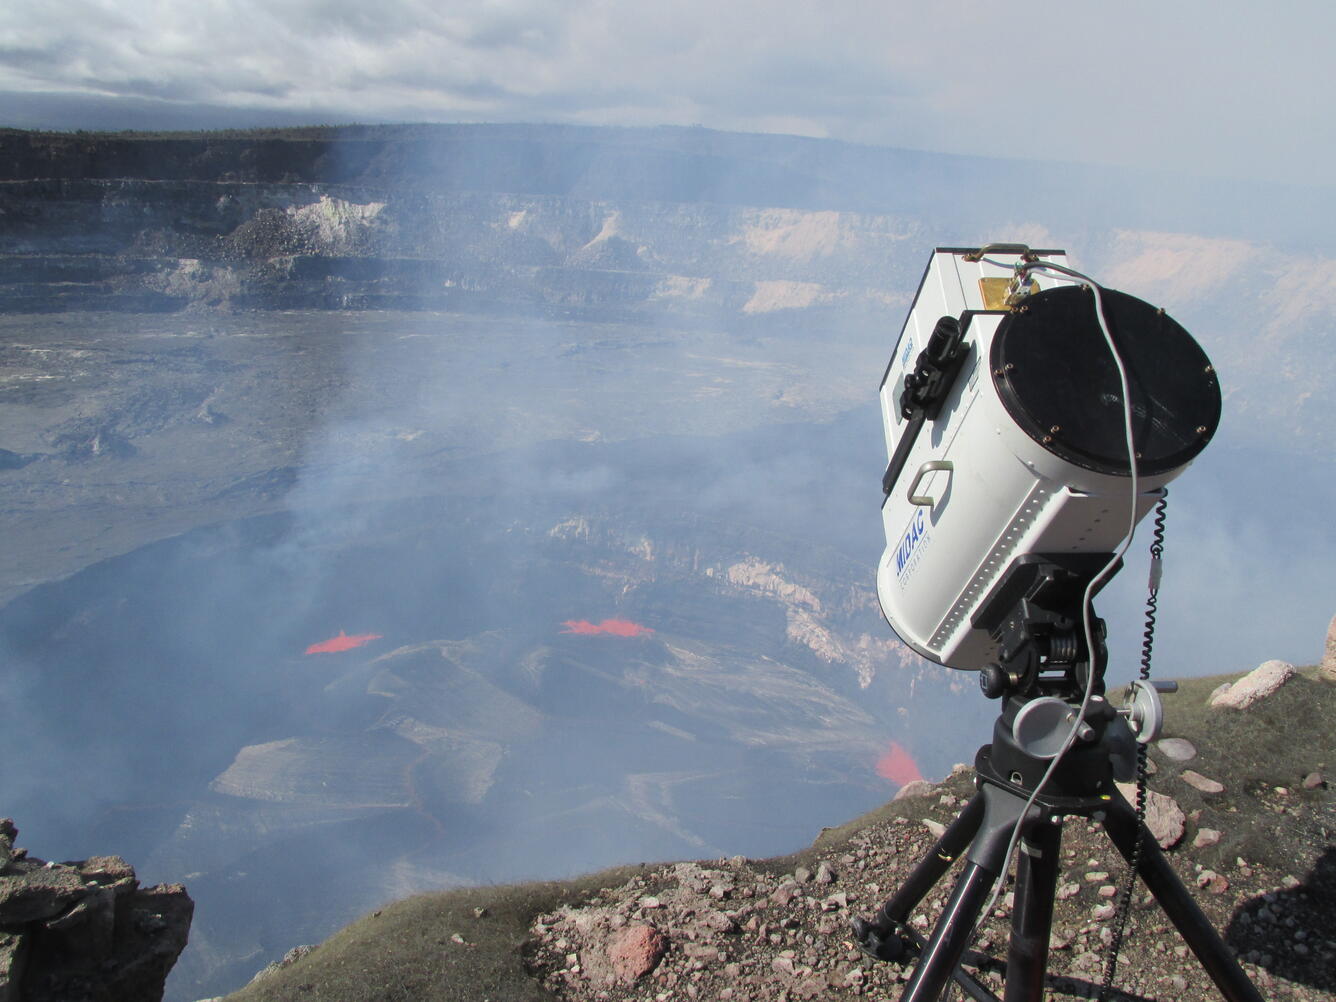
point(635, 951)
point(1164, 818)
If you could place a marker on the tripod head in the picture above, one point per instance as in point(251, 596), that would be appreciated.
point(1037, 617)
point(1034, 614)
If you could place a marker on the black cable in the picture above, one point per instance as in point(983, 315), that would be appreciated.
point(1143, 773)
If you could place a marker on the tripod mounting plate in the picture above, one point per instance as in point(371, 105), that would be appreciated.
point(1041, 727)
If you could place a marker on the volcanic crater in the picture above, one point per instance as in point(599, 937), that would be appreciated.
point(186, 713)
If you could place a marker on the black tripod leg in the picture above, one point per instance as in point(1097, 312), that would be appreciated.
point(1197, 932)
point(941, 955)
point(921, 880)
point(1032, 920)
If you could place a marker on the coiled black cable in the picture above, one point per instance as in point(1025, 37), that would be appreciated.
point(1143, 772)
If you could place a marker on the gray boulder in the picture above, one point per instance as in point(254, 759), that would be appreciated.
point(1259, 683)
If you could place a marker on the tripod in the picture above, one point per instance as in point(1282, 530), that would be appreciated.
point(1042, 675)
point(984, 829)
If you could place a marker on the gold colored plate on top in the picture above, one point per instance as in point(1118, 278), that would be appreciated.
point(994, 292)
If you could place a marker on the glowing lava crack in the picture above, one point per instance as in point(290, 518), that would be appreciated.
point(343, 642)
point(614, 627)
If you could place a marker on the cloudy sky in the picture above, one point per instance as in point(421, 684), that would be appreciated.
point(1219, 88)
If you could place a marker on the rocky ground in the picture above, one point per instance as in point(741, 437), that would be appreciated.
point(734, 930)
point(1244, 807)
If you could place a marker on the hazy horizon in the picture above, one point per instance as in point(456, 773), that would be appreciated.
point(1203, 89)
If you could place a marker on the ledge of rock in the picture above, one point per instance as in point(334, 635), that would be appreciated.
point(85, 931)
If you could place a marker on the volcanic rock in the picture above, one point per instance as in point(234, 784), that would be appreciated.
point(13, 953)
point(1177, 749)
point(1259, 683)
point(1205, 837)
point(1164, 818)
point(30, 891)
point(917, 788)
point(7, 835)
point(85, 931)
point(1203, 783)
point(635, 951)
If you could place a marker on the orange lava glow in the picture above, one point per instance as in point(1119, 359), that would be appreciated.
point(343, 642)
point(898, 766)
point(615, 627)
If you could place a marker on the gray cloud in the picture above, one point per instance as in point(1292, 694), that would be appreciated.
point(1197, 87)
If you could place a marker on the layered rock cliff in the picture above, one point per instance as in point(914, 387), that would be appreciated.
point(448, 218)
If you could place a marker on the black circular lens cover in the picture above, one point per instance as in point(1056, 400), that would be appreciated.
point(1058, 381)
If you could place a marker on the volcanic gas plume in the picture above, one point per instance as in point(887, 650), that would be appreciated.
point(898, 766)
point(343, 642)
point(616, 627)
